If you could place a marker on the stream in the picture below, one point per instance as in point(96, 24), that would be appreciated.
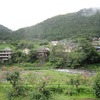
point(77, 71)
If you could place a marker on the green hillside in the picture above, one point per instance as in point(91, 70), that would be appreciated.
point(84, 22)
point(5, 33)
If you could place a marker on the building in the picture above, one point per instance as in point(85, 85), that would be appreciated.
point(54, 43)
point(26, 51)
point(5, 54)
point(97, 48)
point(43, 53)
point(70, 47)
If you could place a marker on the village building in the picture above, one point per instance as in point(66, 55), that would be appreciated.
point(26, 51)
point(96, 43)
point(70, 47)
point(54, 43)
point(43, 53)
point(5, 54)
point(97, 48)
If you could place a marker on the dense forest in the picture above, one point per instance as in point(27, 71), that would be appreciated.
point(85, 22)
point(77, 24)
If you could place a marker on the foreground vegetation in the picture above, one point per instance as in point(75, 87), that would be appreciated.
point(47, 85)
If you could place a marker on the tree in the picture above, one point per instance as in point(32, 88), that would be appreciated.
point(19, 57)
point(24, 44)
point(84, 53)
point(96, 85)
point(58, 56)
point(90, 53)
point(32, 57)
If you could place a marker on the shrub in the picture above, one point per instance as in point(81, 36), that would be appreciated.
point(13, 78)
point(96, 85)
point(41, 93)
point(16, 89)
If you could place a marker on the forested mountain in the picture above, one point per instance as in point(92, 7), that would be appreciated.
point(85, 22)
point(5, 33)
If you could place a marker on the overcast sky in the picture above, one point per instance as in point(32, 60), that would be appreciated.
point(16, 14)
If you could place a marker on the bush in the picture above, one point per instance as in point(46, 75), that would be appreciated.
point(41, 93)
point(96, 85)
point(17, 89)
